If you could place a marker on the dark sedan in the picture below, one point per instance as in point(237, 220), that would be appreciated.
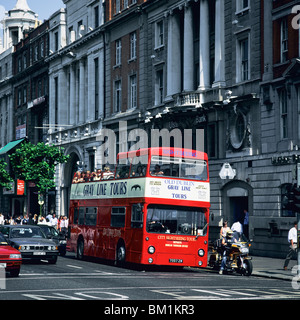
point(31, 242)
point(57, 237)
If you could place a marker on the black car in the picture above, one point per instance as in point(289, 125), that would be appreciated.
point(57, 237)
point(31, 242)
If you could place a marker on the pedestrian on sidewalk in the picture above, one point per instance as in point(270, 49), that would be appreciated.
point(292, 238)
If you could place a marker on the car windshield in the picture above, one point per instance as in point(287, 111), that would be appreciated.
point(176, 220)
point(49, 231)
point(3, 241)
point(26, 232)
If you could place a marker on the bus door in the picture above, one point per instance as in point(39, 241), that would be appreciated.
point(136, 243)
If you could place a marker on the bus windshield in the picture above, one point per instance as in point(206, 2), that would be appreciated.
point(176, 220)
point(178, 168)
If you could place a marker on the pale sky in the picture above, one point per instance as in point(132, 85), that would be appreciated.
point(44, 8)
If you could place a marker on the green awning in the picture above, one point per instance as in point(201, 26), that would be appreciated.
point(10, 146)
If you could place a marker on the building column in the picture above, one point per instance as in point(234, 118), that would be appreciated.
point(173, 64)
point(101, 83)
point(204, 60)
point(72, 110)
point(81, 91)
point(188, 54)
point(91, 88)
point(63, 114)
point(219, 45)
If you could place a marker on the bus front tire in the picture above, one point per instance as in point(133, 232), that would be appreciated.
point(79, 253)
point(120, 255)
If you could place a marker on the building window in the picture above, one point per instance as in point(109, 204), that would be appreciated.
point(25, 61)
point(56, 41)
point(133, 45)
point(125, 5)
point(242, 5)
point(118, 96)
point(159, 87)
point(284, 41)
point(96, 17)
point(283, 114)
point(118, 6)
point(243, 63)
point(244, 60)
point(118, 52)
point(42, 49)
point(133, 92)
point(159, 34)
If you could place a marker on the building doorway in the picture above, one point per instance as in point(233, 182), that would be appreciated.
point(237, 207)
point(237, 196)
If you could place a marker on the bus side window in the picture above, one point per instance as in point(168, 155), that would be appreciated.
point(136, 216)
point(75, 215)
point(118, 217)
point(91, 216)
point(81, 216)
point(122, 171)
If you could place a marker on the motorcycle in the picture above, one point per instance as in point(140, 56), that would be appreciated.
point(238, 259)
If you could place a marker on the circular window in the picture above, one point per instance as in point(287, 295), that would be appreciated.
point(238, 130)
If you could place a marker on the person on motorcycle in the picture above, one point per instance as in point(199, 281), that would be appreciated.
point(226, 243)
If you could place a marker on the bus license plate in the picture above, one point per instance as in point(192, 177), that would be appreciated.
point(39, 253)
point(176, 260)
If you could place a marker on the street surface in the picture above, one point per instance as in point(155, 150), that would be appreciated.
point(93, 279)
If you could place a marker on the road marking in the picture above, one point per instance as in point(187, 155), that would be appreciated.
point(71, 266)
point(237, 292)
point(212, 292)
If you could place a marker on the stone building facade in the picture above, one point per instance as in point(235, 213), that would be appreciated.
point(225, 68)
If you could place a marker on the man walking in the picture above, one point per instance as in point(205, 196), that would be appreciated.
point(292, 238)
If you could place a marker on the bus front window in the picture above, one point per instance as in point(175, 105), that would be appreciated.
point(176, 220)
point(192, 169)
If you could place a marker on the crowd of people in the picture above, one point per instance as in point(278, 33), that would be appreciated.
point(87, 176)
point(61, 224)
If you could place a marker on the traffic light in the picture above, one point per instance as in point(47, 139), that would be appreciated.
point(288, 198)
point(296, 198)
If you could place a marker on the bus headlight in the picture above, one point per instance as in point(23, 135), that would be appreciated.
point(201, 252)
point(151, 249)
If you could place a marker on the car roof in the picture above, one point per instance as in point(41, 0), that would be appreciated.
point(19, 226)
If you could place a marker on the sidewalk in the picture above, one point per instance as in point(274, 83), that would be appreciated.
point(272, 268)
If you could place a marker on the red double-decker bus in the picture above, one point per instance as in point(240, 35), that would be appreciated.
point(153, 209)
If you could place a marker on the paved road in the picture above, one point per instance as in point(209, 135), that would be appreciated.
point(71, 279)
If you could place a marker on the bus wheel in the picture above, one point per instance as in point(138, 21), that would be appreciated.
point(121, 254)
point(79, 253)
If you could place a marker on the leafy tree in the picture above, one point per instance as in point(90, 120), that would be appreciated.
point(5, 178)
point(37, 163)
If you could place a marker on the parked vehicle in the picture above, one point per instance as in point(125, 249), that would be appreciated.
point(57, 237)
point(31, 242)
point(10, 258)
point(238, 259)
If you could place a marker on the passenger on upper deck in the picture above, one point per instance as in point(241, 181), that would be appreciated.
point(77, 177)
point(98, 175)
point(140, 171)
point(107, 174)
point(157, 171)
